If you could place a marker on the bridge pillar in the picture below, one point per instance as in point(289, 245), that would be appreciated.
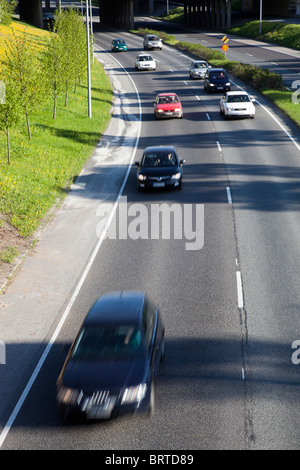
point(31, 12)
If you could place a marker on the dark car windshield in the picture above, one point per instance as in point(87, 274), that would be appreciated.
point(100, 343)
point(217, 75)
point(200, 65)
point(238, 99)
point(167, 99)
point(153, 38)
point(144, 58)
point(159, 159)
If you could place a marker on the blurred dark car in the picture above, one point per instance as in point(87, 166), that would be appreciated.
point(216, 80)
point(112, 364)
point(160, 167)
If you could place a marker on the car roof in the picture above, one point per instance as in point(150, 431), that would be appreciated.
point(236, 92)
point(167, 94)
point(121, 307)
point(217, 69)
point(199, 61)
point(160, 148)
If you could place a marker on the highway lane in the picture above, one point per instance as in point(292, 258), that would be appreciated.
point(275, 58)
point(219, 371)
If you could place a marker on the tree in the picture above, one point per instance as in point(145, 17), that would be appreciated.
point(53, 67)
point(23, 68)
point(10, 112)
point(7, 8)
point(70, 26)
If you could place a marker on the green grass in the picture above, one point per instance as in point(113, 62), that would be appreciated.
point(287, 35)
point(8, 255)
point(42, 168)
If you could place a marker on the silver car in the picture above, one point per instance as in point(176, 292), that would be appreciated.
point(198, 69)
point(152, 41)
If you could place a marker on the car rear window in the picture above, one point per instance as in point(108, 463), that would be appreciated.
point(100, 343)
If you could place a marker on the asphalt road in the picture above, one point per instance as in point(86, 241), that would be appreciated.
point(231, 307)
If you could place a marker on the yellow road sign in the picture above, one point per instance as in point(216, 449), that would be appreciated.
point(225, 39)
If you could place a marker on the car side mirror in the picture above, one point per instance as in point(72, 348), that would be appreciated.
point(182, 161)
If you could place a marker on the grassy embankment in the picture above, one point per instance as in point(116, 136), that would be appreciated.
point(267, 83)
point(42, 168)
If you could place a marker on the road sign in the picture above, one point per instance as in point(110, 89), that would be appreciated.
point(225, 39)
point(225, 47)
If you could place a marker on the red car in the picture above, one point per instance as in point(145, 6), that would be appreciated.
point(167, 105)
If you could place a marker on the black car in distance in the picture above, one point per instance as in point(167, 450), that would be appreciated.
point(160, 167)
point(112, 364)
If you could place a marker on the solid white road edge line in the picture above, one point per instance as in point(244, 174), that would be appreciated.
point(274, 118)
point(239, 289)
point(43, 358)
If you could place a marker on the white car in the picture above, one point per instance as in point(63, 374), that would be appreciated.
point(145, 62)
point(237, 104)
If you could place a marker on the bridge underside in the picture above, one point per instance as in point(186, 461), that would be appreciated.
point(119, 13)
point(208, 13)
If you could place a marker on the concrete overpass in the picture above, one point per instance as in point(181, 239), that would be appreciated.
point(201, 13)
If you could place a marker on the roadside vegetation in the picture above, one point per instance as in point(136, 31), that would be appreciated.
point(46, 135)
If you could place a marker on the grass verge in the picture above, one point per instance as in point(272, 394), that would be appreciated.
point(42, 168)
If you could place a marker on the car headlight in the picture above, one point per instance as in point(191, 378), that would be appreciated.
point(142, 177)
point(228, 84)
point(176, 176)
point(67, 396)
point(177, 110)
point(134, 394)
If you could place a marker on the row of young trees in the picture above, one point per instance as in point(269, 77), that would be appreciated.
point(33, 77)
point(7, 9)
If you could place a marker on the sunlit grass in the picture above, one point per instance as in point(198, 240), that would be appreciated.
point(42, 168)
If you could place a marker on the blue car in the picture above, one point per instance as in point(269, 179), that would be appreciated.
point(113, 362)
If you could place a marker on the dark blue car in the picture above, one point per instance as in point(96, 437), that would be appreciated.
point(216, 79)
point(112, 364)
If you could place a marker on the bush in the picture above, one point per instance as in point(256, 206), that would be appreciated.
point(7, 9)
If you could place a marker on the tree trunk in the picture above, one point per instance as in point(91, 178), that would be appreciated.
point(28, 125)
point(54, 107)
point(8, 145)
